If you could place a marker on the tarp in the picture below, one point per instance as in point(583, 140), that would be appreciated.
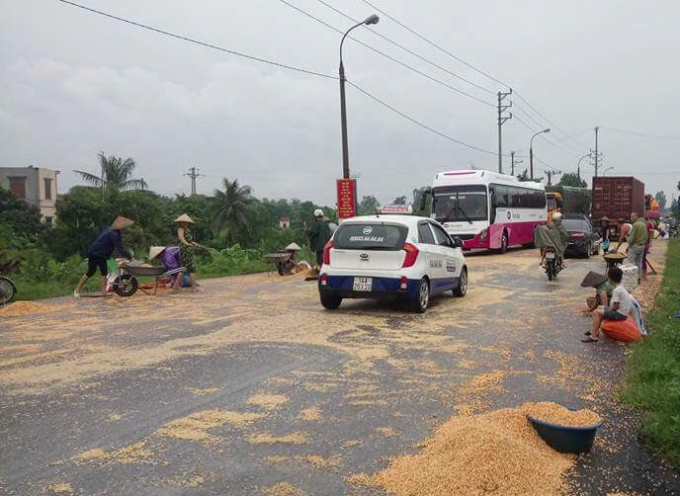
point(551, 235)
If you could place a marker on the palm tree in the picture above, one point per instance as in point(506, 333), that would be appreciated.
point(230, 207)
point(115, 174)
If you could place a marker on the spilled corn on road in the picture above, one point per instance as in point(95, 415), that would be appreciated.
point(250, 387)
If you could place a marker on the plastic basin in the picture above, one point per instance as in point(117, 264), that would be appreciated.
point(563, 438)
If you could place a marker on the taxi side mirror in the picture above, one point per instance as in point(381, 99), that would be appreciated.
point(457, 242)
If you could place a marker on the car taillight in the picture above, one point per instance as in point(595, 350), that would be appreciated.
point(403, 283)
point(578, 235)
point(323, 280)
point(327, 253)
point(411, 255)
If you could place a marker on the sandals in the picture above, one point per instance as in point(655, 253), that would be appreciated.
point(589, 340)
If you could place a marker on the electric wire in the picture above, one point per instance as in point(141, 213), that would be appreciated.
point(201, 43)
point(418, 123)
point(389, 57)
point(407, 50)
point(471, 66)
point(572, 148)
point(440, 48)
point(642, 134)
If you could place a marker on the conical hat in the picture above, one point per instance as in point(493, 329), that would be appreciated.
point(184, 218)
point(154, 251)
point(593, 279)
point(293, 247)
point(121, 223)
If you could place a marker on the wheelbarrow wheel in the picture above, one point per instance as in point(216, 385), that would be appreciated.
point(126, 285)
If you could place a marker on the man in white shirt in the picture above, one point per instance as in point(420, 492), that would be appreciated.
point(621, 306)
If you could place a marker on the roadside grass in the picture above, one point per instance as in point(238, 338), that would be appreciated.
point(652, 380)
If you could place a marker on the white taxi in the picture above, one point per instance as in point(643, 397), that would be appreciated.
point(387, 256)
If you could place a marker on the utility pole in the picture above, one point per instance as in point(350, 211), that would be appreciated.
point(502, 119)
point(514, 162)
point(550, 175)
point(597, 156)
point(193, 174)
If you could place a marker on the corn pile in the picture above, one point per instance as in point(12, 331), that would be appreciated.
point(495, 453)
point(557, 414)
point(21, 308)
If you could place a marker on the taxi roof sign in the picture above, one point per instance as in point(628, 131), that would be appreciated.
point(397, 209)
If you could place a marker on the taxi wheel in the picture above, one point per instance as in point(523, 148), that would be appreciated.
point(461, 289)
point(422, 299)
point(330, 302)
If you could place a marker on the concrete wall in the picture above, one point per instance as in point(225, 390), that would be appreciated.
point(35, 187)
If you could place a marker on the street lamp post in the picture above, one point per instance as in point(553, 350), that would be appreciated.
point(604, 172)
point(578, 167)
point(531, 152)
point(343, 111)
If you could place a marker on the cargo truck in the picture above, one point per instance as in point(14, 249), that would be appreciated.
point(616, 197)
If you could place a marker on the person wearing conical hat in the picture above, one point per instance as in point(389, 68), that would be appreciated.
point(101, 250)
point(169, 258)
point(187, 246)
point(603, 290)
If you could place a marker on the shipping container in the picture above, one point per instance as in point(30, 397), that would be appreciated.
point(616, 197)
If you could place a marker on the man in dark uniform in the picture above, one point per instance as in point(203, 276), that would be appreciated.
point(101, 250)
point(319, 234)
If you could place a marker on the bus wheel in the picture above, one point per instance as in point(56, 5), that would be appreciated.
point(504, 244)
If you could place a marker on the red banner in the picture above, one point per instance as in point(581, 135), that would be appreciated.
point(347, 198)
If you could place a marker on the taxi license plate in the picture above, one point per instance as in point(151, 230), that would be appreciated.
point(363, 284)
point(550, 255)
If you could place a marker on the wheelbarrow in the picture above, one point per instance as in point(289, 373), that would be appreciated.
point(283, 260)
point(125, 281)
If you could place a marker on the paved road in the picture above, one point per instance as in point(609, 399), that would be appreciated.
point(251, 384)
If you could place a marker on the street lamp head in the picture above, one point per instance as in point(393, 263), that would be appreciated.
point(547, 130)
point(372, 20)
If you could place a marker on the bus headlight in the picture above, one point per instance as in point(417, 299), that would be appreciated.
point(484, 234)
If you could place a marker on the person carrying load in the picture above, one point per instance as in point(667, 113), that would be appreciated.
point(101, 250)
point(553, 235)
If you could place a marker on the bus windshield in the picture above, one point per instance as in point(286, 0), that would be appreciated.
point(460, 203)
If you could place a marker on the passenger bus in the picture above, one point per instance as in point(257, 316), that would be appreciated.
point(487, 210)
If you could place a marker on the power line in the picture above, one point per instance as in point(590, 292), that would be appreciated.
point(521, 110)
point(542, 135)
point(546, 119)
point(201, 43)
point(397, 61)
point(464, 62)
point(418, 123)
point(642, 134)
point(376, 33)
point(436, 45)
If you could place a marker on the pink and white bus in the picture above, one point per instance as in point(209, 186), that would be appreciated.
point(488, 210)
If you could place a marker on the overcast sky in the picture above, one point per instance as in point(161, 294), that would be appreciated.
point(75, 83)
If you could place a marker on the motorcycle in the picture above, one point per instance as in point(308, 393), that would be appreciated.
point(553, 263)
point(8, 289)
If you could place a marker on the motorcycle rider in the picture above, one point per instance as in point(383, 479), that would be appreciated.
point(553, 234)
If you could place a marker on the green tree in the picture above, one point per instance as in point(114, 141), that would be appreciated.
point(418, 199)
point(20, 217)
point(116, 173)
point(400, 200)
point(368, 205)
point(231, 207)
point(572, 179)
point(661, 199)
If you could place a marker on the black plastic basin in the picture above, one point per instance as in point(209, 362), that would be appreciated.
point(563, 438)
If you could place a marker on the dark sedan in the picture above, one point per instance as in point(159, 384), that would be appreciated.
point(583, 240)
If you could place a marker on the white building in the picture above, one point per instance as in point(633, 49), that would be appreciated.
point(36, 185)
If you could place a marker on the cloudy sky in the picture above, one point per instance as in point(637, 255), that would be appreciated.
point(75, 83)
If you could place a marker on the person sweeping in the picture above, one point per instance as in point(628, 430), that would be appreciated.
point(187, 247)
point(101, 250)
